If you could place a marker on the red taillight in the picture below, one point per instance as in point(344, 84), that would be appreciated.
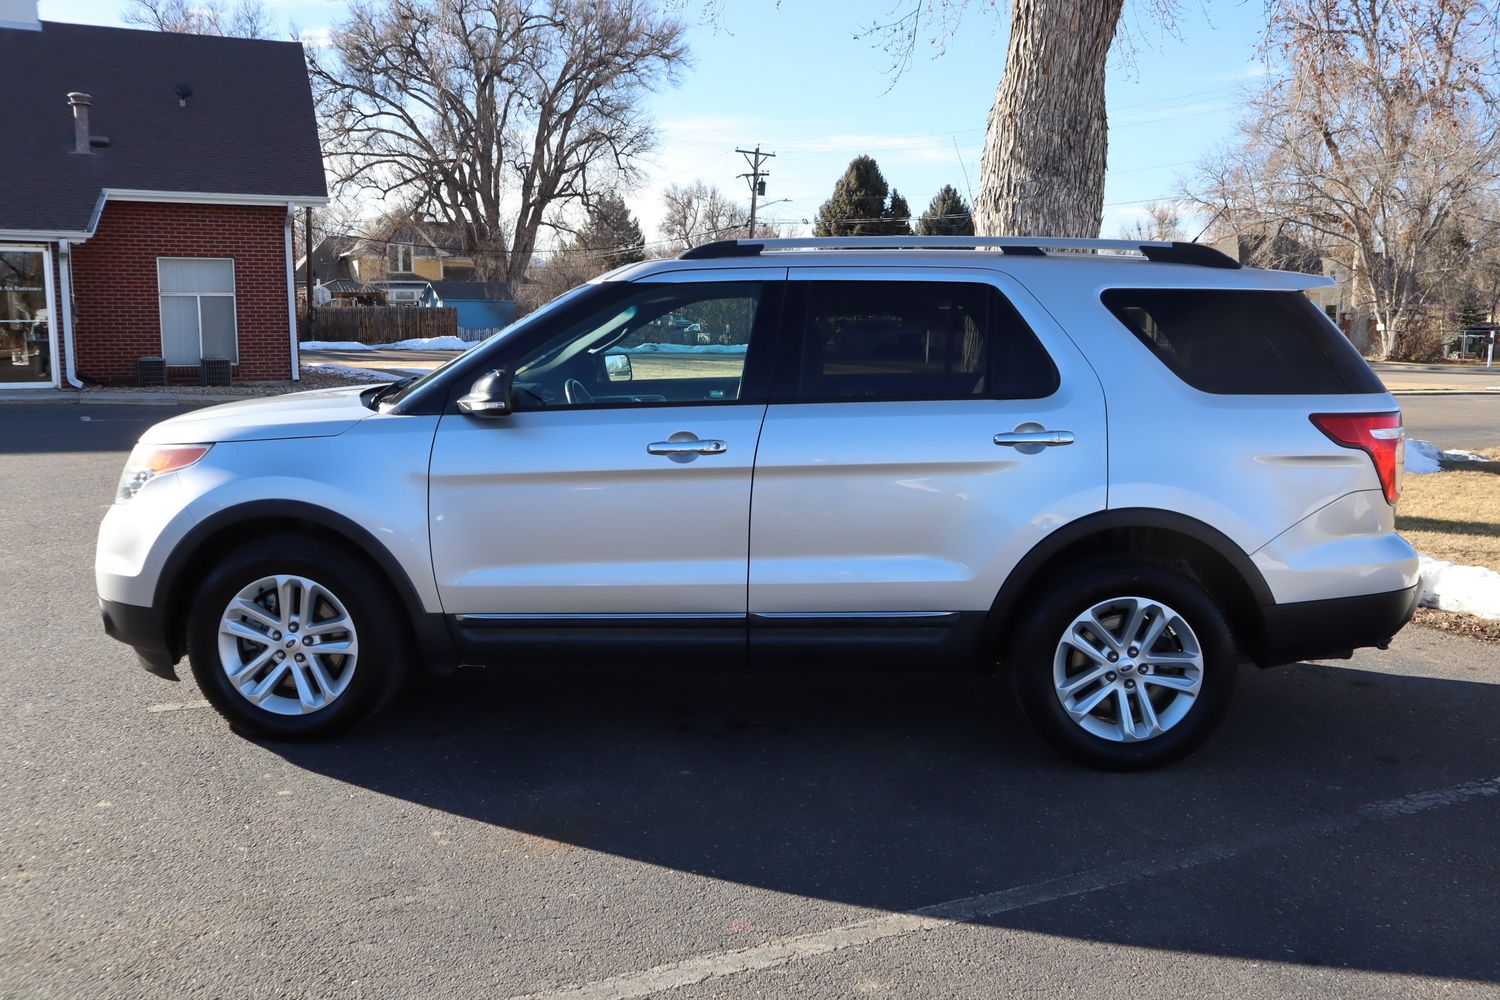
point(1377, 435)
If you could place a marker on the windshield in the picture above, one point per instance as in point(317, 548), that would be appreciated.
point(519, 326)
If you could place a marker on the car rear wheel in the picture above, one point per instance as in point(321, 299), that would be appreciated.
point(1125, 665)
point(293, 636)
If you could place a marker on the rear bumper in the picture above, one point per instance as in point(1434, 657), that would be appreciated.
point(1335, 627)
point(146, 630)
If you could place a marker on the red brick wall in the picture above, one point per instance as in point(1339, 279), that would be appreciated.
point(116, 316)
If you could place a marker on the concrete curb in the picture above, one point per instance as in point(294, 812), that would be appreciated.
point(116, 399)
point(1444, 392)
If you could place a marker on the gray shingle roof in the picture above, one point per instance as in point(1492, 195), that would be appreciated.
point(247, 129)
point(491, 291)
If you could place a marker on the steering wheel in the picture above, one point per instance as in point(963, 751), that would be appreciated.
point(575, 393)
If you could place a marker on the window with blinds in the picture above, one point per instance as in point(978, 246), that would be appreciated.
point(197, 309)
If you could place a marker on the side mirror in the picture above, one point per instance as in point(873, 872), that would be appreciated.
point(489, 396)
point(617, 367)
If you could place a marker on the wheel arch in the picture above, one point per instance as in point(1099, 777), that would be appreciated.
point(192, 556)
point(1160, 535)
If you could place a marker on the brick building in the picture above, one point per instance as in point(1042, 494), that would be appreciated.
point(150, 183)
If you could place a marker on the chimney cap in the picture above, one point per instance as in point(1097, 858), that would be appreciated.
point(76, 98)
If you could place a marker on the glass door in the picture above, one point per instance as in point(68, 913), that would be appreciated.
point(27, 344)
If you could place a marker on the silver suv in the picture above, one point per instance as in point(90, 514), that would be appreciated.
point(1113, 470)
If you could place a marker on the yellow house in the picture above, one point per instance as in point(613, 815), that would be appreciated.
point(424, 251)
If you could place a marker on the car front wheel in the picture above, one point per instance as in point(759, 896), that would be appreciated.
point(293, 636)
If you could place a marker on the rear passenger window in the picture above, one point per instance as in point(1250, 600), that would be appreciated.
point(918, 340)
point(1243, 342)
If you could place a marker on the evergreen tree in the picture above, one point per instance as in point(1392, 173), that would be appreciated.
point(858, 206)
point(1471, 310)
point(899, 214)
point(947, 215)
point(612, 235)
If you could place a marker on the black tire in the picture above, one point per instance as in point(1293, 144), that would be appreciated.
point(1041, 627)
point(383, 644)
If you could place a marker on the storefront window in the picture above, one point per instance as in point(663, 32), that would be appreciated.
point(25, 326)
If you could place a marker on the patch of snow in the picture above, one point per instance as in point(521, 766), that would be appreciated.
point(1464, 456)
point(428, 344)
point(1422, 457)
point(372, 375)
point(415, 344)
point(1450, 587)
point(334, 345)
point(682, 349)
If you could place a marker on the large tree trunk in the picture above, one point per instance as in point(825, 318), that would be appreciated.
point(1044, 155)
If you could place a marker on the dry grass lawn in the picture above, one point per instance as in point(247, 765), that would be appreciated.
point(1453, 515)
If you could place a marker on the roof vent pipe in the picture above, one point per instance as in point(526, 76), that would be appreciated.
point(80, 104)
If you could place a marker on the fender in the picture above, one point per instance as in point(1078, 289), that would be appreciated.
point(430, 629)
point(1036, 560)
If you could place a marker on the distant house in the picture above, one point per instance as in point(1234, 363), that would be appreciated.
point(150, 180)
point(416, 264)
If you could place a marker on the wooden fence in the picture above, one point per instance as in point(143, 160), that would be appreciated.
point(380, 324)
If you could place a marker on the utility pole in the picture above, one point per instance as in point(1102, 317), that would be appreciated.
point(754, 157)
point(307, 241)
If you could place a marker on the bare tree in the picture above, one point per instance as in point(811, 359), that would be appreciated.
point(699, 213)
point(1378, 127)
point(246, 19)
point(1159, 220)
point(494, 115)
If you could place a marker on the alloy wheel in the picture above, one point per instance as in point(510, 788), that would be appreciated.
point(288, 645)
point(1128, 669)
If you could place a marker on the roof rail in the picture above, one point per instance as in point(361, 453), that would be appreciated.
point(1175, 252)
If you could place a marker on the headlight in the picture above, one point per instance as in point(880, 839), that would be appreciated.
point(147, 461)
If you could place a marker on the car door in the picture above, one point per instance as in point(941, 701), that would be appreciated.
point(616, 490)
point(927, 428)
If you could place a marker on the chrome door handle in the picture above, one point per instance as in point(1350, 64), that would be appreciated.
point(1032, 437)
point(690, 447)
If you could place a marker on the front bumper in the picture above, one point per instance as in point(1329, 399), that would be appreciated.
point(146, 630)
point(1333, 628)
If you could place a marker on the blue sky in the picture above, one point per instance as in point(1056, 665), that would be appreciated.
point(793, 77)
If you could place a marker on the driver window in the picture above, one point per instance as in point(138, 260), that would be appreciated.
point(668, 343)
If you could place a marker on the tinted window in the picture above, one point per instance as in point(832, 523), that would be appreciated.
point(918, 340)
point(648, 344)
point(1243, 342)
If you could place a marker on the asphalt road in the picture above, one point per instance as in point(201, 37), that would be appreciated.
point(1458, 421)
point(502, 835)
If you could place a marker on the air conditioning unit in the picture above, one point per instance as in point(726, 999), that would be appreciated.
point(150, 371)
point(217, 371)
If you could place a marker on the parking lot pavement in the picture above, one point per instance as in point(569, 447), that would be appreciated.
point(610, 835)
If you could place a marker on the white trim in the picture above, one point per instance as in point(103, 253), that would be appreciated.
point(52, 317)
point(168, 197)
point(232, 295)
point(42, 235)
point(70, 350)
point(208, 198)
point(291, 296)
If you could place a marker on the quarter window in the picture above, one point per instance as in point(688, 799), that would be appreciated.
point(197, 309)
point(918, 340)
point(1243, 342)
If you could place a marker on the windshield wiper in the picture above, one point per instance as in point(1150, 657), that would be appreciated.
point(372, 397)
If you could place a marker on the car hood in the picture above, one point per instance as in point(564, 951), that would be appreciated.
point(316, 413)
